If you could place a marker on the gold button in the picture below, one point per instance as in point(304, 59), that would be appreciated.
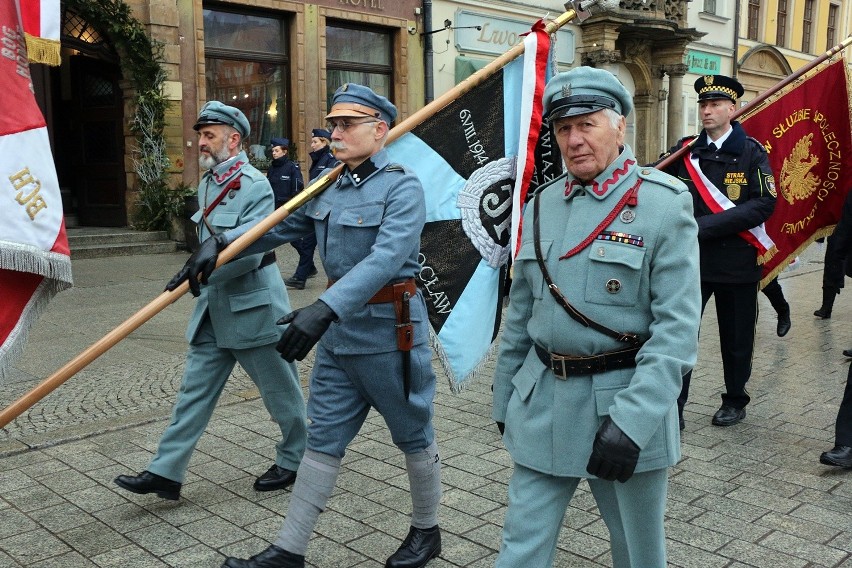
point(360, 220)
point(601, 251)
point(645, 172)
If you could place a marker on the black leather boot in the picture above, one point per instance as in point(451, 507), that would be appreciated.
point(272, 557)
point(784, 322)
point(828, 297)
point(147, 482)
point(418, 548)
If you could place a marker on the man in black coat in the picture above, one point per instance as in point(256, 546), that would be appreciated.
point(733, 193)
point(286, 179)
point(840, 244)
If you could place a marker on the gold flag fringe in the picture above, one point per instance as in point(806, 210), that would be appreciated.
point(819, 234)
point(43, 50)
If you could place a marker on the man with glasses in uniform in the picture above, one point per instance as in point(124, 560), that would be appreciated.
point(370, 326)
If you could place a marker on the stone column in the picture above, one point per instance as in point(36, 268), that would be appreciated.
point(675, 112)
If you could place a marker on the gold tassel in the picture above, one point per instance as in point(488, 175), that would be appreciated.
point(42, 50)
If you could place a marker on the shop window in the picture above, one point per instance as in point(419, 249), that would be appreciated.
point(247, 66)
point(358, 55)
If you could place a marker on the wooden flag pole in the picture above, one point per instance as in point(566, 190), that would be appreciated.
point(163, 300)
point(761, 98)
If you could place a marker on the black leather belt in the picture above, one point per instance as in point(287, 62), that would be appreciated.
point(564, 366)
point(268, 258)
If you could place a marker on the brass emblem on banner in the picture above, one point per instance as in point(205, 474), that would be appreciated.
point(733, 192)
point(797, 180)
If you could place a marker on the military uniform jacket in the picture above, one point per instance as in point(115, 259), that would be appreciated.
point(740, 169)
point(641, 276)
point(285, 176)
point(368, 226)
point(242, 300)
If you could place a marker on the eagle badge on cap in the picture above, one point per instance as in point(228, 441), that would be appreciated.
point(566, 90)
point(344, 87)
point(708, 79)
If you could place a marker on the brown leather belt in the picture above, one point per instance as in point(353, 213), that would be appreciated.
point(391, 292)
point(564, 366)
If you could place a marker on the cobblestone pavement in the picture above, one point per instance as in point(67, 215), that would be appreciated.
point(750, 495)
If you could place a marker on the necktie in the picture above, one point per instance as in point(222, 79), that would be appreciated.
point(712, 147)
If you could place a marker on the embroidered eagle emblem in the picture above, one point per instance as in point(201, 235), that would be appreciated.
point(796, 180)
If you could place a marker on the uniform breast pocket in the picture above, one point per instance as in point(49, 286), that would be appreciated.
point(224, 221)
point(615, 274)
point(527, 267)
point(359, 225)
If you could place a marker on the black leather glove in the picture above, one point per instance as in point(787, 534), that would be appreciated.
point(502, 427)
point(614, 454)
point(200, 264)
point(306, 327)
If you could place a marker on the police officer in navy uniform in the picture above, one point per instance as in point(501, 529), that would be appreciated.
point(370, 327)
point(286, 180)
point(234, 319)
point(601, 326)
point(321, 155)
point(738, 167)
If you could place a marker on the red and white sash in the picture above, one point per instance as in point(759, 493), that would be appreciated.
point(718, 202)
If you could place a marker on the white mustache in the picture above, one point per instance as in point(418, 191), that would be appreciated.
point(337, 146)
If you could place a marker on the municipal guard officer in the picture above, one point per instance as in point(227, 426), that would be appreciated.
point(233, 321)
point(601, 326)
point(371, 325)
point(733, 193)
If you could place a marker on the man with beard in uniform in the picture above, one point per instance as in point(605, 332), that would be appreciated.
point(233, 320)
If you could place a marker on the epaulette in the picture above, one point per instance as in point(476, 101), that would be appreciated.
point(253, 173)
point(662, 178)
point(758, 142)
point(394, 168)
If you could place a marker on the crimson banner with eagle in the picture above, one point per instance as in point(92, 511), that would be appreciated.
point(808, 135)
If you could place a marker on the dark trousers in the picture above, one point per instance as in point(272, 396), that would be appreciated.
point(775, 295)
point(305, 247)
point(736, 311)
point(843, 426)
point(833, 272)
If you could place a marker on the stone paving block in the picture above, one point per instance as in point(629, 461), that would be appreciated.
point(126, 517)
point(457, 551)
point(68, 482)
point(453, 477)
point(730, 507)
point(32, 546)
point(736, 528)
point(582, 544)
point(240, 512)
point(126, 557)
point(32, 498)
point(194, 557)
point(325, 553)
point(14, 480)
point(341, 529)
point(801, 548)
point(375, 468)
point(374, 448)
point(266, 529)
point(40, 468)
point(763, 499)
point(175, 513)
point(470, 463)
point(214, 531)
point(68, 560)
point(204, 493)
point(359, 483)
point(7, 562)
point(760, 556)
point(704, 538)
point(681, 555)
point(161, 539)
point(354, 506)
point(60, 517)
point(467, 502)
point(92, 539)
point(15, 522)
point(94, 498)
point(826, 500)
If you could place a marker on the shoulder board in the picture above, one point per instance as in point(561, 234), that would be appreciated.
point(252, 173)
point(394, 168)
point(758, 142)
point(662, 178)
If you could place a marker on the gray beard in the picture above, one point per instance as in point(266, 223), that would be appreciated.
point(208, 162)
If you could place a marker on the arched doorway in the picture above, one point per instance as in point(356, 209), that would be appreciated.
point(83, 104)
point(761, 68)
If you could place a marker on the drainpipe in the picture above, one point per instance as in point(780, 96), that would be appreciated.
point(735, 58)
point(428, 65)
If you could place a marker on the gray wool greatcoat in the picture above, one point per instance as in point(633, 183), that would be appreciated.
point(550, 424)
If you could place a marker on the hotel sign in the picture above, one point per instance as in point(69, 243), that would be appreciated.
point(497, 35)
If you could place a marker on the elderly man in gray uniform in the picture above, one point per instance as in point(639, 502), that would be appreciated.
point(602, 324)
point(371, 325)
point(234, 318)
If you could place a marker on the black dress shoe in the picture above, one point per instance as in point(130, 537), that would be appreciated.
point(313, 272)
point(272, 557)
point(276, 477)
point(147, 482)
point(728, 416)
point(824, 313)
point(839, 456)
point(847, 353)
point(418, 548)
point(784, 323)
point(294, 283)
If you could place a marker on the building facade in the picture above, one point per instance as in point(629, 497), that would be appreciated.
point(281, 60)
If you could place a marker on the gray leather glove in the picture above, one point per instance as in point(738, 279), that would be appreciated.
point(200, 265)
point(614, 454)
point(306, 327)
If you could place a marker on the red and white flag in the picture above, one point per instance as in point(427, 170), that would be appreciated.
point(34, 255)
point(40, 20)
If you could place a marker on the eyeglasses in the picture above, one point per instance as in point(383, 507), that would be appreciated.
point(344, 125)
